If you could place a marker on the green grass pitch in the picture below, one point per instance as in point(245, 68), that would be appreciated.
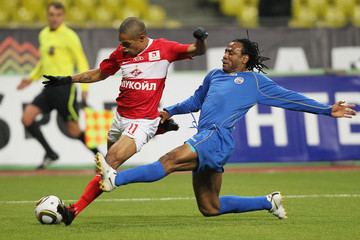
point(320, 205)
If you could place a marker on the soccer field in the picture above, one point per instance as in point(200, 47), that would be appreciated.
point(320, 205)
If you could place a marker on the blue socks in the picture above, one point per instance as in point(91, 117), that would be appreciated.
point(234, 204)
point(146, 173)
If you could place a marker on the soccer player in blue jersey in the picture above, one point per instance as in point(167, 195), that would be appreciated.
point(224, 97)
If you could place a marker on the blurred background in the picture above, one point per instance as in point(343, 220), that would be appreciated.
point(323, 29)
point(314, 46)
point(175, 14)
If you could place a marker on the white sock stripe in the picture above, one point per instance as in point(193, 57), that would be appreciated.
point(339, 195)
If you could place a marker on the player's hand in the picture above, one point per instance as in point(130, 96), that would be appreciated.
point(166, 124)
point(164, 116)
point(343, 109)
point(24, 83)
point(200, 34)
point(54, 81)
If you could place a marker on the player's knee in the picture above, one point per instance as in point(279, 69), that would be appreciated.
point(208, 211)
point(74, 134)
point(169, 162)
point(26, 121)
point(73, 130)
point(208, 208)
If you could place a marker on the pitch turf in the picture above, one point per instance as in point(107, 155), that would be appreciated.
point(320, 205)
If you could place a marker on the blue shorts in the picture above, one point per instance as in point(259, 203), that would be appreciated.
point(214, 147)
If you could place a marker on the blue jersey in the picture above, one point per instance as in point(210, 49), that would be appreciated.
point(224, 98)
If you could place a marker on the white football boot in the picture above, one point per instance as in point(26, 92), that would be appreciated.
point(108, 174)
point(277, 207)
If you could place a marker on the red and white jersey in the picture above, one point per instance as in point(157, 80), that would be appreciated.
point(144, 76)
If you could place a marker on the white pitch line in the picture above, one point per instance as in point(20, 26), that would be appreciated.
point(112, 200)
point(339, 195)
point(145, 199)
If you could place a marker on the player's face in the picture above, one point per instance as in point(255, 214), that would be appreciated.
point(131, 45)
point(55, 17)
point(233, 59)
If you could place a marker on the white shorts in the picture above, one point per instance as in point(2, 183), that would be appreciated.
point(141, 130)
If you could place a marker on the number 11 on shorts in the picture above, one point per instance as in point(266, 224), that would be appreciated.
point(132, 128)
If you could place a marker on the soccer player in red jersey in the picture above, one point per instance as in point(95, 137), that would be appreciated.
point(143, 63)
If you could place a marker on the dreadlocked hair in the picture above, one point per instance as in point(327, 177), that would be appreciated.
point(252, 50)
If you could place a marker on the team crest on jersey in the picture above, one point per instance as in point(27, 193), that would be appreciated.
point(239, 80)
point(136, 72)
point(154, 55)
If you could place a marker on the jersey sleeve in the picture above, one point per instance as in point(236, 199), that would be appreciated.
point(110, 65)
point(37, 72)
point(270, 93)
point(80, 60)
point(193, 103)
point(176, 51)
point(78, 53)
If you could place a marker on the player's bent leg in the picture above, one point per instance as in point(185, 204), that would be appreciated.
point(118, 153)
point(182, 158)
point(110, 179)
point(179, 159)
point(207, 185)
point(121, 151)
point(28, 119)
point(239, 204)
point(30, 113)
point(73, 129)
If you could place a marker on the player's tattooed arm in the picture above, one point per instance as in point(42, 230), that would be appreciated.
point(90, 76)
point(93, 75)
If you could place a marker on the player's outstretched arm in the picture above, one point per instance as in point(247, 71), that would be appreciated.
point(342, 109)
point(199, 47)
point(90, 76)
